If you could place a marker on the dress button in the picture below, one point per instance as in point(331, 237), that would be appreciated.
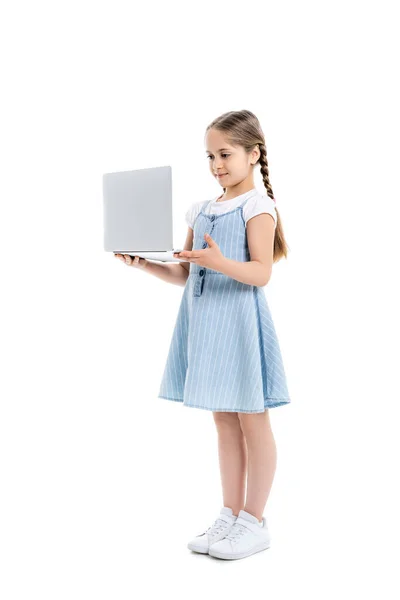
point(204, 244)
point(201, 272)
point(212, 217)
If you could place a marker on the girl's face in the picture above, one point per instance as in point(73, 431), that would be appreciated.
point(231, 162)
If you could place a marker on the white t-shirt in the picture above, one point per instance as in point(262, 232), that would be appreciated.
point(256, 204)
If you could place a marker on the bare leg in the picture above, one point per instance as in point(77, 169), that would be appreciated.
point(232, 459)
point(261, 447)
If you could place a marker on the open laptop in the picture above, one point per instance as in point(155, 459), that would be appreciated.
point(138, 213)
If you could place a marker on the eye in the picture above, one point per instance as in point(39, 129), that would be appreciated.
point(221, 155)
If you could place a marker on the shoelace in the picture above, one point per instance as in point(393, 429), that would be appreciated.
point(236, 532)
point(217, 527)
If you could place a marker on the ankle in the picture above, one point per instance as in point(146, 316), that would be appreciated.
point(235, 511)
point(255, 514)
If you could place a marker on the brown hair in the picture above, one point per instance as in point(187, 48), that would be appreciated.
point(242, 128)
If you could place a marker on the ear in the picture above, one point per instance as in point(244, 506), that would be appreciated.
point(256, 154)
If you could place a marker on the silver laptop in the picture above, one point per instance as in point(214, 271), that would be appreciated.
point(138, 213)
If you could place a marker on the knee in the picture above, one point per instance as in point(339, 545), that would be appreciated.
point(250, 423)
point(226, 420)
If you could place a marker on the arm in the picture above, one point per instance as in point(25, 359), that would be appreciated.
point(257, 271)
point(176, 273)
point(260, 239)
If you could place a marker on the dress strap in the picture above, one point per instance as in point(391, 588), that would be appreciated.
point(205, 205)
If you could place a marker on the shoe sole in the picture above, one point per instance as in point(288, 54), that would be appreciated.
point(197, 549)
point(217, 554)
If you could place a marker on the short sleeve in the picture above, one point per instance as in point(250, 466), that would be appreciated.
point(188, 218)
point(192, 212)
point(259, 204)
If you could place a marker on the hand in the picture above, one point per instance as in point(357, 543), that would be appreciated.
point(137, 261)
point(211, 257)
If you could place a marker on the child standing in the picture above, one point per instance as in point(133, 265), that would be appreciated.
point(224, 354)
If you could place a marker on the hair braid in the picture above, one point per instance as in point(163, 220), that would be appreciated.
point(264, 170)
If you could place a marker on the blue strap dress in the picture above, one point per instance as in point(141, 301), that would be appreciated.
point(224, 353)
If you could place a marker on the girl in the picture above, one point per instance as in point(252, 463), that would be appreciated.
point(224, 355)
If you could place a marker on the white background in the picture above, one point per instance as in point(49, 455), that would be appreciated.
point(103, 483)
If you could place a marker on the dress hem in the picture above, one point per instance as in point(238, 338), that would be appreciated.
point(270, 403)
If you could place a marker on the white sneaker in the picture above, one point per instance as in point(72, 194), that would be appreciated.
point(245, 537)
point(216, 532)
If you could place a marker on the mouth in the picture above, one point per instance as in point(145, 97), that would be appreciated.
point(221, 174)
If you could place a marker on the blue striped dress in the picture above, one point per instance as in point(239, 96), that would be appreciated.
point(224, 353)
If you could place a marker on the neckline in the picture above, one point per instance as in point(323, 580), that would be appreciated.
point(248, 195)
point(228, 212)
